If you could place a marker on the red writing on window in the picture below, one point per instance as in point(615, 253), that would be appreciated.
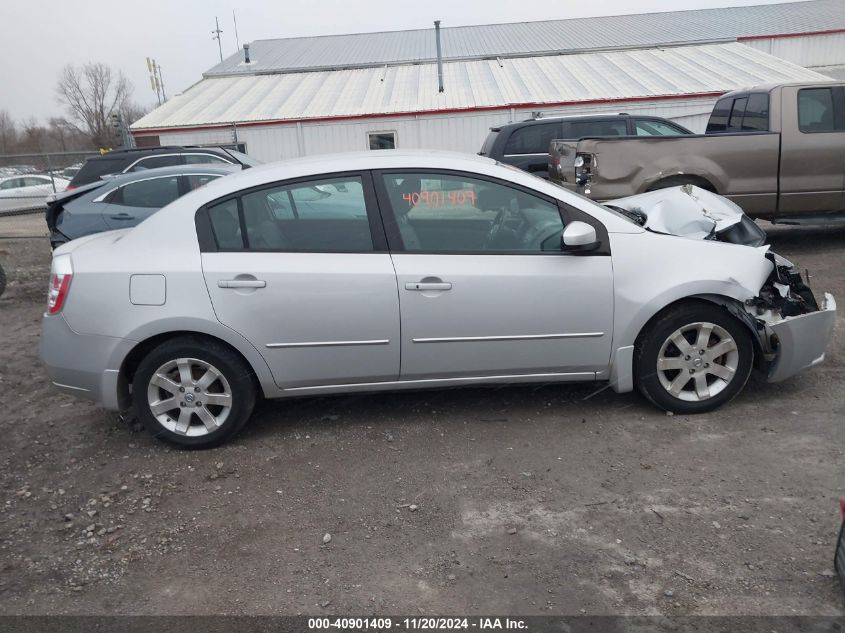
point(440, 198)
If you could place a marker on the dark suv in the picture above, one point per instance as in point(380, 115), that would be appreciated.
point(526, 144)
point(128, 160)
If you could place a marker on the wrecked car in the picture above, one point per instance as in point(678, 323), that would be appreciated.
point(395, 270)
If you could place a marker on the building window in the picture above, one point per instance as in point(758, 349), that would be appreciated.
point(382, 140)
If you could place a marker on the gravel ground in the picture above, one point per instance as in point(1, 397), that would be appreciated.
point(549, 500)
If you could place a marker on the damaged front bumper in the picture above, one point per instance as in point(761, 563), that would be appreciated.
point(801, 340)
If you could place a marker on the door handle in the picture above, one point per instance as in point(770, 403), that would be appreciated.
point(428, 285)
point(122, 216)
point(241, 283)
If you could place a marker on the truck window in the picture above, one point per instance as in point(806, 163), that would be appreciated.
point(756, 117)
point(737, 112)
point(719, 117)
point(532, 139)
point(815, 110)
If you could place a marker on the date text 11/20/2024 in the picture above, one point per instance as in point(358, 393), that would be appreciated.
point(416, 624)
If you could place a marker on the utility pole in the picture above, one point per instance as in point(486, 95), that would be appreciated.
point(237, 41)
point(216, 36)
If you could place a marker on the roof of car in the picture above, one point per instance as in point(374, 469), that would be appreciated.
point(129, 152)
point(176, 170)
point(566, 117)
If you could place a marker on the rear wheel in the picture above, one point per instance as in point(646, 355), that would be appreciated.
point(2, 280)
point(693, 359)
point(195, 394)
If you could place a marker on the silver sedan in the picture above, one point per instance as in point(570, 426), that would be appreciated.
point(394, 270)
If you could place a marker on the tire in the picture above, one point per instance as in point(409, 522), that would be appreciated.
point(183, 372)
point(2, 281)
point(678, 181)
point(662, 361)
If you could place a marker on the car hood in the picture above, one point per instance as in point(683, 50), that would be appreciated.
point(692, 212)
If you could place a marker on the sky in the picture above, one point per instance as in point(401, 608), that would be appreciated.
point(38, 37)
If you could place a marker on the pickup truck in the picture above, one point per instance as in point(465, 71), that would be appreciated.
point(778, 151)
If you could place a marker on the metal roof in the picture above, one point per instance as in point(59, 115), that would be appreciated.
point(535, 38)
point(475, 85)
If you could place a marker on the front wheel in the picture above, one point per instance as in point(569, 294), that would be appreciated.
point(195, 394)
point(693, 359)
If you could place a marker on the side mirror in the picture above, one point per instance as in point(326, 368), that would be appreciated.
point(578, 237)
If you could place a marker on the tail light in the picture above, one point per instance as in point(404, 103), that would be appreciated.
point(61, 274)
point(69, 188)
point(842, 509)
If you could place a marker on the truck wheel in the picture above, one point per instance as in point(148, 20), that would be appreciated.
point(678, 181)
point(193, 393)
point(693, 359)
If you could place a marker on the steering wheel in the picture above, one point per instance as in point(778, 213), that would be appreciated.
point(495, 228)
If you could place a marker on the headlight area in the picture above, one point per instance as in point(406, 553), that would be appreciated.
point(794, 328)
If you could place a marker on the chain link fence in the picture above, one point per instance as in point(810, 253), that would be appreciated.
point(27, 179)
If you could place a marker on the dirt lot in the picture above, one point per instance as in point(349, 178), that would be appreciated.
point(559, 499)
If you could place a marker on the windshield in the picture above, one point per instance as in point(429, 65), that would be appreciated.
point(246, 161)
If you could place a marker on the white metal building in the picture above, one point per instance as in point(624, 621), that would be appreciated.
point(302, 96)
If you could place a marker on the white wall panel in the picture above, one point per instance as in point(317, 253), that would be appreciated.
point(460, 132)
point(810, 51)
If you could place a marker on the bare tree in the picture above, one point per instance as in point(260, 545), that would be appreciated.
point(8, 132)
point(92, 93)
point(132, 111)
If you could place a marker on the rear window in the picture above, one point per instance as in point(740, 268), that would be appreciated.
point(742, 113)
point(719, 117)
point(532, 139)
point(488, 143)
point(94, 168)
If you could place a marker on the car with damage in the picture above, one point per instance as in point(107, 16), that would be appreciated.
point(390, 270)
point(778, 151)
point(525, 144)
point(123, 201)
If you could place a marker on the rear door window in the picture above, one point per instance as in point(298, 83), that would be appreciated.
point(154, 193)
point(737, 112)
point(325, 215)
point(756, 117)
point(533, 139)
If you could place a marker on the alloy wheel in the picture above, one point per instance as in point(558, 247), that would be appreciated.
point(697, 361)
point(190, 397)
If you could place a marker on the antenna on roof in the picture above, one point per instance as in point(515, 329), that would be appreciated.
point(216, 36)
point(237, 41)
